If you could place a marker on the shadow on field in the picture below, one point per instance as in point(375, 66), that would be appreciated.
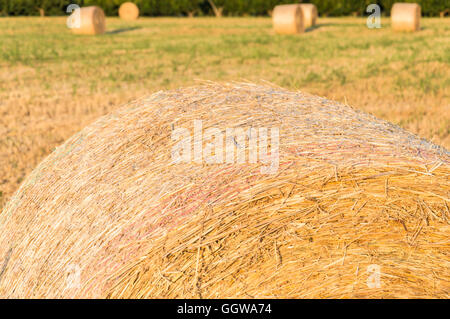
point(317, 26)
point(122, 30)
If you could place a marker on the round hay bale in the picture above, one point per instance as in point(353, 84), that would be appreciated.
point(309, 14)
point(355, 206)
point(288, 19)
point(92, 21)
point(128, 11)
point(405, 17)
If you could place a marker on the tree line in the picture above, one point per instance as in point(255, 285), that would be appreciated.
point(210, 7)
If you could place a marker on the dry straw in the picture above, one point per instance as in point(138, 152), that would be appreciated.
point(92, 21)
point(405, 17)
point(128, 11)
point(309, 14)
point(288, 19)
point(108, 215)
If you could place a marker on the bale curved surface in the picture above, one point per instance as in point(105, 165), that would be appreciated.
point(288, 19)
point(309, 14)
point(405, 17)
point(350, 192)
point(128, 11)
point(92, 21)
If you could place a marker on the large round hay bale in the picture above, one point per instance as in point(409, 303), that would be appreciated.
point(92, 21)
point(288, 19)
point(353, 207)
point(405, 17)
point(309, 14)
point(128, 11)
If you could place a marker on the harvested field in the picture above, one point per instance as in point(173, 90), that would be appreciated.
point(53, 83)
point(350, 192)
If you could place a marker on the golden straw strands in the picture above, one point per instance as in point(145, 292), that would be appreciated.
point(109, 215)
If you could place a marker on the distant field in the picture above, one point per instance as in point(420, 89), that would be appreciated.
point(53, 83)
